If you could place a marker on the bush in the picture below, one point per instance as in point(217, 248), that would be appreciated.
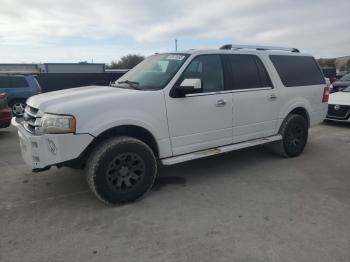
point(126, 62)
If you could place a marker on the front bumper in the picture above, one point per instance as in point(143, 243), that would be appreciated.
point(50, 149)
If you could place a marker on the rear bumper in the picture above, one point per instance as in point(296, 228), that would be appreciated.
point(5, 117)
point(50, 149)
point(337, 119)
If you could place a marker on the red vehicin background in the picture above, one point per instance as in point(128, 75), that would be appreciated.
point(5, 111)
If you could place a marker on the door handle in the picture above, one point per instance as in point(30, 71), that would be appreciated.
point(220, 102)
point(272, 97)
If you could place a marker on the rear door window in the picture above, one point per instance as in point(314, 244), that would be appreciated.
point(18, 82)
point(297, 70)
point(247, 72)
point(4, 82)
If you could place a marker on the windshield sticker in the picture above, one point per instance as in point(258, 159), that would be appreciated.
point(175, 57)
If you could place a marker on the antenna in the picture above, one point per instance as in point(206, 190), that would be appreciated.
point(175, 44)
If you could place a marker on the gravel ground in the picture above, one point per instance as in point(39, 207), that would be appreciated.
point(247, 205)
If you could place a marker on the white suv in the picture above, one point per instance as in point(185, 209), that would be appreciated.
point(172, 108)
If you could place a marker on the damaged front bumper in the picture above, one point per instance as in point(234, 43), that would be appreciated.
point(42, 151)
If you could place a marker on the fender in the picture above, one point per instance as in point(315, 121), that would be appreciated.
point(157, 127)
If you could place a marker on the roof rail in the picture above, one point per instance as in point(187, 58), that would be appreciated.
point(261, 48)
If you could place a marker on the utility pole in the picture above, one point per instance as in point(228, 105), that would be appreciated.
point(175, 44)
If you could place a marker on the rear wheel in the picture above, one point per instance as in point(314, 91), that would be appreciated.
point(18, 107)
point(294, 131)
point(121, 170)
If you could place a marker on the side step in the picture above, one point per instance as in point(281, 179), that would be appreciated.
point(218, 150)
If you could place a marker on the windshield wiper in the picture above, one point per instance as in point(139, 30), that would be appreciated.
point(132, 84)
point(128, 82)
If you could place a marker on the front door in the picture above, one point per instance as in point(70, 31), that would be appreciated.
point(202, 120)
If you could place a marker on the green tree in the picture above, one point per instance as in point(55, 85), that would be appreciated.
point(127, 62)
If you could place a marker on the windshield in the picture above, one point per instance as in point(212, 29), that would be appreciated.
point(345, 78)
point(346, 89)
point(153, 73)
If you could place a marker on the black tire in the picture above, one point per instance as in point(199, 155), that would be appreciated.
point(294, 131)
point(121, 170)
point(17, 106)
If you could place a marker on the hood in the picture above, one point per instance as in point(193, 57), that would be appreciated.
point(61, 102)
point(339, 98)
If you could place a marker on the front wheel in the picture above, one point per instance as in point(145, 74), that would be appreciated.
point(121, 170)
point(294, 131)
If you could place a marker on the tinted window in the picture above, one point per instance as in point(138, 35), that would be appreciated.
point(297, 70)
point(18, 81)
point(248, 72)
point(208, 68)
point(4, 82)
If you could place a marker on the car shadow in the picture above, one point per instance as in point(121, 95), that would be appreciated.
point(210, 167)
point(336, 123)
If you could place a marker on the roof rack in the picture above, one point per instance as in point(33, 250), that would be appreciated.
point(261, 48)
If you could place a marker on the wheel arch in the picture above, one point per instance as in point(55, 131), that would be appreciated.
point(303, 112)
point(300, 106)
point(134, 131)
point(298, 110)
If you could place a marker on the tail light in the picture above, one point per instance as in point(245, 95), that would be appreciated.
point(325, 95)
point(3, 100)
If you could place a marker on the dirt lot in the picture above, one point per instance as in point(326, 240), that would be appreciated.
point(243, 206)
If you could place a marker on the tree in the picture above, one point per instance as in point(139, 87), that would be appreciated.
point(326, 62)
point(126, 62)
point(348, 65)
point(83, 62)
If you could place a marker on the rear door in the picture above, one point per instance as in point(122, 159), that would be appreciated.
point(256, 102)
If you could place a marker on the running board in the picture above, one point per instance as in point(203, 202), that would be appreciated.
point(218, 150)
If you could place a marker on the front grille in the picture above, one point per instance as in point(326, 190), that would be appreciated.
point(31, 120)
point(338, 112)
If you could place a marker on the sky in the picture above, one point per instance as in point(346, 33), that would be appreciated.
point(35, 31)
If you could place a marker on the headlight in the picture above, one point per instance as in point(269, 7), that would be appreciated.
point(56, 124)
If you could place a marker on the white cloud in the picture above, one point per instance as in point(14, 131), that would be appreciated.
point(317, 26)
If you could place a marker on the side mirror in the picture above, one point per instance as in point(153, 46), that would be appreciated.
point(190, 86)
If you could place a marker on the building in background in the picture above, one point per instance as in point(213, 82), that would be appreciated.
point(71, 68)
point(74, 68)
point(23, 69)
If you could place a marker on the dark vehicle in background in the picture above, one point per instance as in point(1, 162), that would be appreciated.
point(5, 112)
point(18, 88)
point(341, 74)
point(340, 84)
point(330, 73)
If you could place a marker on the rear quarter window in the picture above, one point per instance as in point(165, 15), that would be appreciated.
point(297, 70)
